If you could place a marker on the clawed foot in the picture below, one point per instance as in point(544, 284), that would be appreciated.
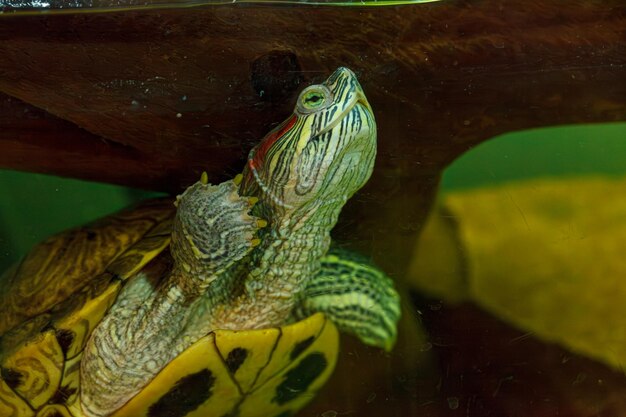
point(237, 220)
point(216, 223)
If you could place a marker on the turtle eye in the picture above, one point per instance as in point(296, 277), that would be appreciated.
point(313, 99)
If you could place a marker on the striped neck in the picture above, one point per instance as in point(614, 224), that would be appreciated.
point(289, 255)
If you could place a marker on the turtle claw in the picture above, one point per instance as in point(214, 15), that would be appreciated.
point(241, 219)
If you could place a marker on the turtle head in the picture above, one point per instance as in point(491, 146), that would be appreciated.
point(321, 155)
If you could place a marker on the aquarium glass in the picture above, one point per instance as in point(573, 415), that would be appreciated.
point(314, 208)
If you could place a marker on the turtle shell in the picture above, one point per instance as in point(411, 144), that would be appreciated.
point(52, 300)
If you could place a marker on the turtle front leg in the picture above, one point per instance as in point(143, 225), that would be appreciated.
point(359, 298)
point(150, 325)
point(212, 231)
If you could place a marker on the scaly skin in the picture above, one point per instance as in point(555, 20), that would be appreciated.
point(303, 172)
point(149, 326)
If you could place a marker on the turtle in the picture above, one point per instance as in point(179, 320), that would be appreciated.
point(226, 301)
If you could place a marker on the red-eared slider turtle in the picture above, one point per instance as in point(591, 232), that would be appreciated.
point(237, 318)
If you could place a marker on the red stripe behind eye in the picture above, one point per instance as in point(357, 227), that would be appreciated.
point(270, 140)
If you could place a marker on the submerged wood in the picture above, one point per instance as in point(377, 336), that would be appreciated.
point(151, 98)
point(193, 89)
point(158, 96)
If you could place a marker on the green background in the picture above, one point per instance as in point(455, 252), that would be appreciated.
point(554, 151)
point(34, 206)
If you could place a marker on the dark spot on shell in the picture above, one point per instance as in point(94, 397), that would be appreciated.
point(65, 338)
point(298, 379)
point(187, 394)
point(235, 358)
point(62, 394)
point(301, 347)
point(11, 377)
point(91, 235)
point(275, 76)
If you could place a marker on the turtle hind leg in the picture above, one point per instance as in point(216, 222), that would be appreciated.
point(359, 298)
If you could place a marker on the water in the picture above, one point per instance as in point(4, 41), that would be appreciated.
point(509, 265)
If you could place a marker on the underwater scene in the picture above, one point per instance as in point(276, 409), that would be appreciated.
point(272, 208)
